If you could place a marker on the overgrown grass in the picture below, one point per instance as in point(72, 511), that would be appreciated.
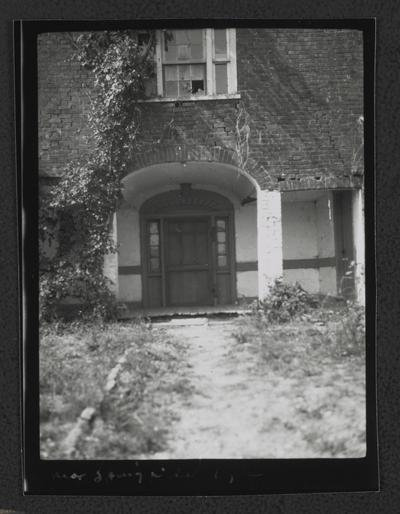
point(75, 361)
point(321, 354)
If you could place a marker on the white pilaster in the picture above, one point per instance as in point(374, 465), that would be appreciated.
point(269, 240)
point(359, 244)
point(110, 267)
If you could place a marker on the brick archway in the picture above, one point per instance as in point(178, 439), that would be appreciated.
point(159, 154)
point(262, 177)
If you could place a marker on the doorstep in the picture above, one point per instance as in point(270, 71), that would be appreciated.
point(165, 313)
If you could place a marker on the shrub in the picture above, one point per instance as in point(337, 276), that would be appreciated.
point(348, 336)
point(284, 302)
point(91, 292)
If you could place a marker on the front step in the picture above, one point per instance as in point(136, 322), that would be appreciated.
point(166, 313)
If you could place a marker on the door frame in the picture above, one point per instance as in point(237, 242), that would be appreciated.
point(344, 239)
point(189, 213)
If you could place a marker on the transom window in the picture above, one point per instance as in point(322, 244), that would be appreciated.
point(195, 63)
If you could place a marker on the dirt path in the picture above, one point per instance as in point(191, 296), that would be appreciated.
point(233, 412)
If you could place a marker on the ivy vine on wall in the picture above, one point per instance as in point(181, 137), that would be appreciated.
point(75, 214)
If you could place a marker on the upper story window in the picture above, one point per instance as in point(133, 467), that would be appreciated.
point(193, 63)
point(183, 55)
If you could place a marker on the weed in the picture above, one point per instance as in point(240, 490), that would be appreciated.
point(284, 302)
point(75, 361)
point(320, 357)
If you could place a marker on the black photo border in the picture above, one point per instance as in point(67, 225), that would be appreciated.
point(185, 477)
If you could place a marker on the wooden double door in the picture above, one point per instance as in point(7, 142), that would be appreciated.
point(189, 261)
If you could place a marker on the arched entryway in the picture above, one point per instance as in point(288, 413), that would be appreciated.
point(187, 242)
point(204, 186)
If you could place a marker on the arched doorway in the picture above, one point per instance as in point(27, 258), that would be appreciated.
point(188, 254)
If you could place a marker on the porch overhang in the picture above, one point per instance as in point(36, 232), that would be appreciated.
point(141, 184)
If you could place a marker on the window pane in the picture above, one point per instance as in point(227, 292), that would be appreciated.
point(197, 71)
point(198, 75)
point(171, 80)
point(221, 78)
point(154, 239)
point(195, 36)
point(184, 72)
point(183, 52)
point(154, 264)
point(221, 248)
point(171, 88)
point(222, 261)
point(197, 52)
point(143, 38)
point(221, 237)
point(181, 37)
point(198, 87)
point(154, 251)
point(184, 88)
point(221, 224)
point(220, 42)
point(150, 87)
point(171, 73)
point(170, 47)
point(153, 227)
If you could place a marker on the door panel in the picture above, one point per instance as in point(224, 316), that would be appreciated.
point(154, 289)
point(187, 243)
point(188, 262)
point(188, 288)
point(224, 288)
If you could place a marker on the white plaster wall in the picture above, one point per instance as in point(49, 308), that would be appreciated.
point(307, 278)
point(326, 243)
point(247, 283)
point(308, 233)
point(327, 281)
point(246, 248)
point(246, 233)
point(128, 229)
point(110, 266)
point(130, 288)
point(299, 230)
point(325, 234)
point(359, 243)
point(128, 237)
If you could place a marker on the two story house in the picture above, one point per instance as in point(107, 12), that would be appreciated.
point(251, 166)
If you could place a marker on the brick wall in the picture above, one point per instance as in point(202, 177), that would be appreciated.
point(302, 89)
point(62, 104)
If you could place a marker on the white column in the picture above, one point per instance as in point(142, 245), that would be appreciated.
point(359, 244)
point(110, 267)
point(269, 240)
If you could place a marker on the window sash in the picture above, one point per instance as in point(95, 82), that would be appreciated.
point(184, 76)
point(225, 56)
point(189, 60)
point(211, 60)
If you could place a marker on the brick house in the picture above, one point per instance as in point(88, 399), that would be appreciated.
point(251, 168)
